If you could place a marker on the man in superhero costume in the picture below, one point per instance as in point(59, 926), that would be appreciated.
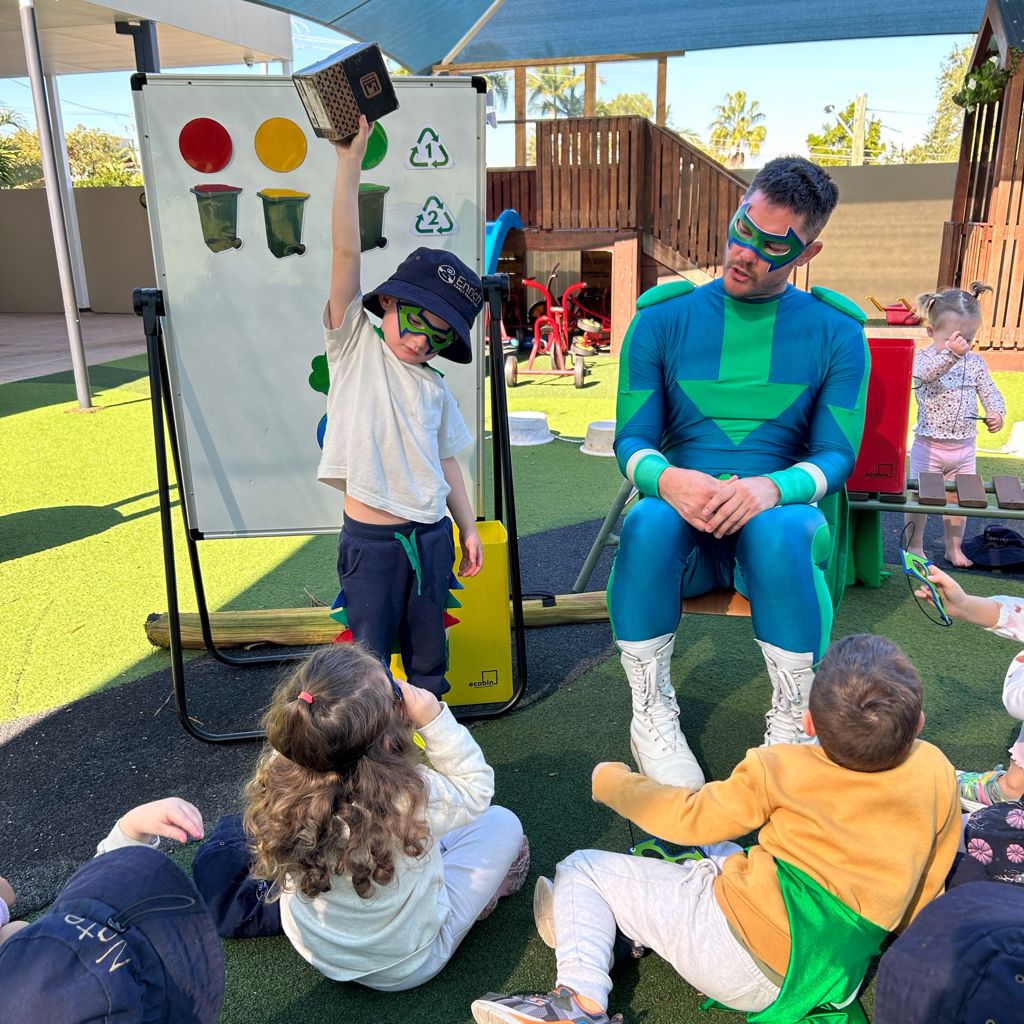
point(740, 405)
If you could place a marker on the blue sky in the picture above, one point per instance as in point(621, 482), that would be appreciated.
point(792, 83)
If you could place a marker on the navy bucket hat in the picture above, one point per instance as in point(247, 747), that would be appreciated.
point(128, 940)
point(996, 547)
point(443, 285)
point(961, 961)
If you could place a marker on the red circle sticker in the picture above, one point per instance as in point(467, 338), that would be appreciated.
point(205, 145)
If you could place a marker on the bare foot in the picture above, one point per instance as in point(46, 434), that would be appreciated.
point(959, 559)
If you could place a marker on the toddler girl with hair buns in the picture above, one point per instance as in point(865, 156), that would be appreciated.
point(950, 380)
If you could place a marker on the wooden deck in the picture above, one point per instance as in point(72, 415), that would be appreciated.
point(623, 176)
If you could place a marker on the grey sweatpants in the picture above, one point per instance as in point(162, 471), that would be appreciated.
point(670, 908)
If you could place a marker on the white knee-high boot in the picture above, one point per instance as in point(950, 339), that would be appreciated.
point(792, 675)
point(658, 745)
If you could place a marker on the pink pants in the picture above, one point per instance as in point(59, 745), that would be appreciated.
point(927, 455)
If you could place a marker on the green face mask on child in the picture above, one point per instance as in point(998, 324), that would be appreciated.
point(413, 320)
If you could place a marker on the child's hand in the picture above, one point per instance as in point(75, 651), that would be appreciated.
point(472, 554)
point(951, 592)
point(171, 817)
point(421, 706)
point(958, 344)
point(994, 422)
point(6, 892)
point(353, 149)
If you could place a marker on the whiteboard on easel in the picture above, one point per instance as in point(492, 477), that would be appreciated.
point(238, 190)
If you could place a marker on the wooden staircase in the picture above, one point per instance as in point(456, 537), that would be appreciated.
point(601, 177)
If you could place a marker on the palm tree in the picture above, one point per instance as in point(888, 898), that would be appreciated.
point(553, 90)
point(8, 118)
point(499, 83)
point(737, 129)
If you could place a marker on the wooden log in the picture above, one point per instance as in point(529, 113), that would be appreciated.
point(303, 627)
point(970, 491)
point(1009, 493)
point(931, 489)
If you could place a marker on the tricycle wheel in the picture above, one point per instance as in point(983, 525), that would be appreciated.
point(579, 370)
point(511, 371)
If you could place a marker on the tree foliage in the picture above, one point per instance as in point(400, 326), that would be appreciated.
point(737, 130)
point(833, 146)
point(97, 158)
point(8, 119)
point(556, 91)
point(941, 143)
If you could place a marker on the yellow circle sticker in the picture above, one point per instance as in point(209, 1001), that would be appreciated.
point(280, 144)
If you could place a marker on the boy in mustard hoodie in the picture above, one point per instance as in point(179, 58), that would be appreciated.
point(856, 836)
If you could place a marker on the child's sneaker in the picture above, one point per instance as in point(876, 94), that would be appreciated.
point(543, 910)
point(563, 1006)
point(513, 880)
point(981, 789)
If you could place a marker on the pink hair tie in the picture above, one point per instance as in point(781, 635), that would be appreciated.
point(307, 697)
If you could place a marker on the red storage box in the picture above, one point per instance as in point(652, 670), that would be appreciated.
point(882, 463)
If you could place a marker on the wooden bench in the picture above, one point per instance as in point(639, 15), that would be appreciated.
point(1001, 498)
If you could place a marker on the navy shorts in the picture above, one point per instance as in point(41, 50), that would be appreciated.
point(237, 901)
point(396, 581)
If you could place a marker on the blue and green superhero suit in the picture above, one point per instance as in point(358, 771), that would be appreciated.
point(769, 387)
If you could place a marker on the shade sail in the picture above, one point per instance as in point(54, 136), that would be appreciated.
point(422, 33)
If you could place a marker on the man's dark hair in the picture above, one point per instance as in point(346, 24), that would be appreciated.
point(800, 186)
point(866, 703)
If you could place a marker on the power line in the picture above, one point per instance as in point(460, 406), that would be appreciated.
point(75, 103)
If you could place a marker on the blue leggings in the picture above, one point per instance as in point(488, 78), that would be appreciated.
point(775, 561)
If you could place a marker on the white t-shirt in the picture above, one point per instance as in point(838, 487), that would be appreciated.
point(389, 424)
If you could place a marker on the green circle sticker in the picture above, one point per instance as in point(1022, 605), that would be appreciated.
point(376, 147)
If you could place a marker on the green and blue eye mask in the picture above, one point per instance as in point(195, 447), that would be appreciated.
point(775, 250)
point(413, 320)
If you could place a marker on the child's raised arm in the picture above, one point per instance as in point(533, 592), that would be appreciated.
point(345, 245)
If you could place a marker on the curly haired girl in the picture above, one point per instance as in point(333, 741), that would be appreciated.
point(381, 864)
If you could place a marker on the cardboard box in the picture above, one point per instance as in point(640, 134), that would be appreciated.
point(337, 90)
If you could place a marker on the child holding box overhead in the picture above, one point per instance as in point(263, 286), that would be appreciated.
point(393, 432)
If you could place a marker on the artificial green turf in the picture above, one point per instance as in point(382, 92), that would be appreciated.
point(543, 756)
point(80, 541)
point(82, 569)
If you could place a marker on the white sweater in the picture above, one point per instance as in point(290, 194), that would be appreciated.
point(390, 935)
point(1011, 625)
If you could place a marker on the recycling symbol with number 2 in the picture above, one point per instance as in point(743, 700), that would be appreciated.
point(434, 219)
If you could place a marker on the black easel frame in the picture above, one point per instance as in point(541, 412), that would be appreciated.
point(148, 303)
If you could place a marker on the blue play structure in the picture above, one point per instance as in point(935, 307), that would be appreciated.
point(494, 237)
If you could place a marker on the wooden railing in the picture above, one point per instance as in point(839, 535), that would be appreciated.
point(994, 254)
point(690, 198)
point(622, 174)
point(513, 188)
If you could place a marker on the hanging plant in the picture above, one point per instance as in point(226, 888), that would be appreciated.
point(987, 82)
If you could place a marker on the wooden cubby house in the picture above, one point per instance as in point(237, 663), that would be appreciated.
point(984, 238)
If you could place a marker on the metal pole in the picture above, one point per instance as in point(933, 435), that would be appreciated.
point(67, 191)
point(33, 59)
point(860, 109)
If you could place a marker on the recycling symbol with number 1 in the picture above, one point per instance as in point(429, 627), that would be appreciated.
point(434, 219)
point(429, 153)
